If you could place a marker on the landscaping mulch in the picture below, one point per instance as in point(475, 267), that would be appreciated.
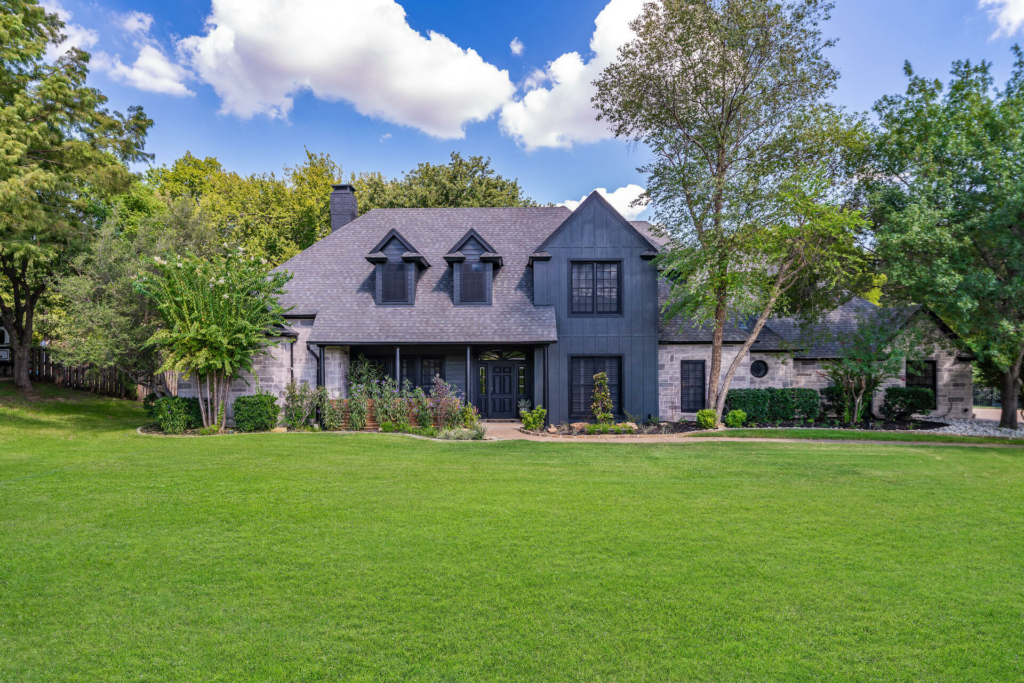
point(866, 426)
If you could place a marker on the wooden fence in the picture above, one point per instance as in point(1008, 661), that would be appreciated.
point(41, 368)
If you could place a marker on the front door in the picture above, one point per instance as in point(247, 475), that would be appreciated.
point(502, 391)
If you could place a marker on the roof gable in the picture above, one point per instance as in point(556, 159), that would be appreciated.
point(596, 198)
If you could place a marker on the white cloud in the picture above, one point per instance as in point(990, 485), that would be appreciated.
point(135, 22)
point(152, 71)
point(385, 137)
point(516, 46)
point(1009, 14)
point(258, 54)
point(76, 35)
point(621, 199)
point(561, 114)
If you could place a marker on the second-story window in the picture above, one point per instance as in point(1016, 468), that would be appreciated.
point(395, 286)
point(473, 288)
point(595, 288)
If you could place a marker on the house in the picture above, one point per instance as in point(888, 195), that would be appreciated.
point(512, 304)
point(6, 353)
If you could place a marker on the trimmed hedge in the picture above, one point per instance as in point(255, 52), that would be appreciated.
point(772, 405)
point(256, 413)
point(902, 403)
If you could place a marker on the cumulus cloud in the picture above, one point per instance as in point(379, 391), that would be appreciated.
point(152, 71)
point(75, 34)
point(385, 137)
point(1008, 14)
point(135, 22)
point(516, 46)
point(555, 110)
point(258, 54)
point(622, 199)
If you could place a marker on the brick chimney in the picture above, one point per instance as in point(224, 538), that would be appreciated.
point(344, 208)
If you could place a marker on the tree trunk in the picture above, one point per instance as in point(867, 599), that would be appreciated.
point(716, 357)
point(22, 353)
point(1011, 390)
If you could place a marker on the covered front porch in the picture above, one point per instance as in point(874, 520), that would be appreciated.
point(493, 378)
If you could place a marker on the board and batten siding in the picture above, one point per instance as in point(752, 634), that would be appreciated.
point(595, 232)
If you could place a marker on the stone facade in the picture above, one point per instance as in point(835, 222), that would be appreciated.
point(954, 379)
point(283, 363)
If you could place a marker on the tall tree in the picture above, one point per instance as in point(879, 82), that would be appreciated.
point(719, 91)
point(62, 150)
point(947, 187)
point(460, 183)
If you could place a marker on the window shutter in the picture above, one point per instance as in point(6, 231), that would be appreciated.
point(691, 380)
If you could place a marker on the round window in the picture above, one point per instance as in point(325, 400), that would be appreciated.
point(758, 368)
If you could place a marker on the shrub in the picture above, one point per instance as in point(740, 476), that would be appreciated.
point(775, 405)
point(147, 404)
point(447, 404)
point(357, 407)
point(807, 403)
point(457, 434)
point(524, 406)
point(387, 427)
point(257, 413)
point(424, 431)
point(388, 402)
point(332, 412)
point(533, 420)
point(470, 418)
point(172, 415)
point(421, 407)
point(707, 419)
point(479, 432)
point(735, 419)
point(300, 401)
point(753, 402)
point(602, 405)
point(902, 403)
point(833, 401)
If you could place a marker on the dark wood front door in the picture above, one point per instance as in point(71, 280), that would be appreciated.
point(501, 391)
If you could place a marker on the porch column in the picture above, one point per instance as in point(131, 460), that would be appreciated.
point(469, 376)
point(398, 366)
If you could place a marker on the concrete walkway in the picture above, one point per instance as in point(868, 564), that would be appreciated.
point(509, 431)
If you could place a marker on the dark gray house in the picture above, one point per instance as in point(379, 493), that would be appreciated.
point(510, 304)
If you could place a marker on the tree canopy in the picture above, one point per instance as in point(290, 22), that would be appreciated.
point(63, 153)
point(946, 186)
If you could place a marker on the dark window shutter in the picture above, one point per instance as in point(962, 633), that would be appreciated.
point(582, 384)
point(394, 288)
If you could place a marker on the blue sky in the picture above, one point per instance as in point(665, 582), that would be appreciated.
point(252, 82)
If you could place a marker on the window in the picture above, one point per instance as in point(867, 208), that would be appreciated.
point(394, 285)
point(759, 369)
point(595, 288)
point(581, 383)
point(431, 367)
point(473, 285)
point(522, 380)
point(691, 384)
point(503, 355)
point(921, 373)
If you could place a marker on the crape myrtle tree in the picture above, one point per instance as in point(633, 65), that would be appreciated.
point(947, 192)
point(63, 152)
point(728, 96)
point(218, 315)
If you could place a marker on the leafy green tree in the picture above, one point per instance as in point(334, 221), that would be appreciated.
point(63, 150)
point(728, 95)
point(102, 321)
point(947, 192)
point(461, 183)
point(218, 314)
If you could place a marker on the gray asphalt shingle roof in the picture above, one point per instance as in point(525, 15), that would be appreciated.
point(334, 282)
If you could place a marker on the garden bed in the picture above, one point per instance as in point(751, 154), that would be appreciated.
point(687, 427)
point(866, 426)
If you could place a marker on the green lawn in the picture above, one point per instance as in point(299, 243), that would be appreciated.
point(316, 557)
point(850, 435)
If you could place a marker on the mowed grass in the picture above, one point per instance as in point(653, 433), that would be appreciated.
point(852, 435)
point(316, 557)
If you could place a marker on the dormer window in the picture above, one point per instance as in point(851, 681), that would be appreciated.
point(396, 264)
point(474, 263)
point(394, 288)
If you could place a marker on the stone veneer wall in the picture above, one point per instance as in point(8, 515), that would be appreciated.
point(276, 369)
point(954, 377)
